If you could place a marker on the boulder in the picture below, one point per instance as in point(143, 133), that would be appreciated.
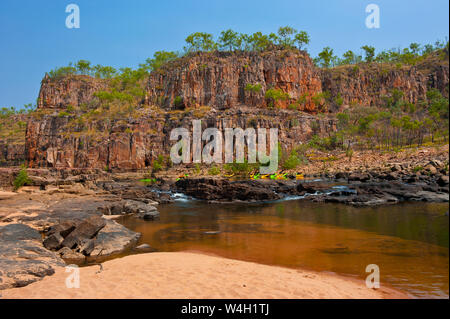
point(431, 197)
point(361, 177)
point(87, 229)
point(23, 259)
point(54, 241)
point(87, 247)
point(69, 254)
point(341, 175)
point(142, 210)
point(135, 207)
point(311, 187)
point(443, 181)
point(430, 168)
point(114, 238)
point(63, 229)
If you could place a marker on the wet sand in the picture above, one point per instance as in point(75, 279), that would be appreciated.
point(191, 275)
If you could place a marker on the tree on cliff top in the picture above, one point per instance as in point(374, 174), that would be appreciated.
point(287, 36)
point(229, 40)
point(325, 58)
point(159, 59)
point(370, 53)
point(302, 38)
point(200, 41)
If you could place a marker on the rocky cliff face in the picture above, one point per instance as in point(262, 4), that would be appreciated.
point(222, 89)
point(69, 91)
point(136, 143)
point(369, 84)
point(12, 154)
point(12, 139)
point(221, 80)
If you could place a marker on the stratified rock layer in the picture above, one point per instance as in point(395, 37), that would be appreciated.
point(214, 87)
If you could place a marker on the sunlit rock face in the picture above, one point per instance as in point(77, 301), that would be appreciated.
point(223, 90)
point(220, 80)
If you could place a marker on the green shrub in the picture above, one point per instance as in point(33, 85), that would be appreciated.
point(349, 153)
point(21, 179)
point(214, 170)
point(417, 169)
point(157, 164)
point(178, 101)
point(197, 169)
point(240, 168)
point(274, 95)
point(339, 100)
point(254, 88)
point(292, 161)
point(62, 114)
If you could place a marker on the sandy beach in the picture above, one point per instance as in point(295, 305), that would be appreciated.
point(193, 275)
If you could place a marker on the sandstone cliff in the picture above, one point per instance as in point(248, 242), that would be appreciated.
point(12, 139)
point(369, 84)
point(68, 91)
point(139, 141)
point(220, 79)
point(213, 87)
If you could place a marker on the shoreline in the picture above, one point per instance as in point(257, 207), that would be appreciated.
point(194, 275)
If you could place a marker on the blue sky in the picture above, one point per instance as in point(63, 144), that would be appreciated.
point(124, 33)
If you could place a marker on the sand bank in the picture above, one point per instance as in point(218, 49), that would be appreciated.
point(193, 275)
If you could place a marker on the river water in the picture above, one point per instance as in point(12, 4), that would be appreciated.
point(409, 242)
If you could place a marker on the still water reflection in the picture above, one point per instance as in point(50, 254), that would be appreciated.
point(409, 242)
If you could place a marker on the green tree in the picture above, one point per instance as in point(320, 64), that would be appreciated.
point(200, 41)
point(274, 38)
point(159, 59)
point(427, 49)
point(259, 41)
point(348, 57)
point(326, 57)
point(62, 72)
point(415, 48)
point(369, 52)
point(83, 67)
point(292, 161)
point(302, 39)
point(104, 72)
point(229, 40)
point(21, 179)
point(244, 42)
point(286, 36)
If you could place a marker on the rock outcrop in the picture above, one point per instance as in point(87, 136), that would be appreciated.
point(135, 144)
point(370, 84)
point(12, 154)
point(223, 90)
point(23, 260)
point(220, 80)
point(223, 190)
point(12, 139)
point(69, 91)
point(76, 240)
